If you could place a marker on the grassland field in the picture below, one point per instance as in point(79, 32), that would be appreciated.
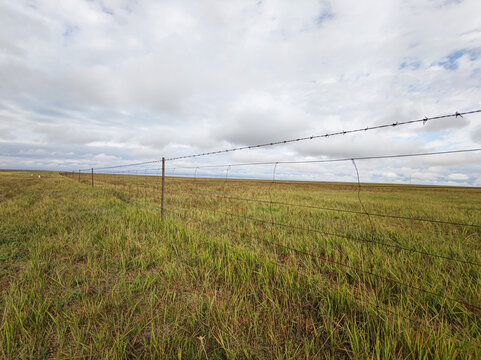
point(232, 272)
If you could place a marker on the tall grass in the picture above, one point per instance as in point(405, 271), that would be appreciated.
point(95, 273)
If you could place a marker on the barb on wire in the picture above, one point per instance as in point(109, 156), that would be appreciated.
point(342, 132)
point(340, 159)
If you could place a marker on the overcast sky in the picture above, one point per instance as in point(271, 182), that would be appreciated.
point(98, 83)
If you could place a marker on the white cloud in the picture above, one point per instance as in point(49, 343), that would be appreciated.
point(458, 177)
point(104, 157)
point(146, 79)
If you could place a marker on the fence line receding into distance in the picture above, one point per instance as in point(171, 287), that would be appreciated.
point(261, 211)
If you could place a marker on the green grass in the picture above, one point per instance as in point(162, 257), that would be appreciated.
point(95, 273)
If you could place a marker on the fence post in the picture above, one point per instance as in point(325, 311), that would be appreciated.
point(163, 187)
point(79, 175)
point(92, 177)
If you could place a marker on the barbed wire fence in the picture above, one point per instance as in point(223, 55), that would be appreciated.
point(278, 213)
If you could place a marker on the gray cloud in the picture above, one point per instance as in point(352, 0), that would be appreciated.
point(66, 134)
point(139, 80)
point(6, 134)
point(260, 117)
point(476, 135)
point(358, 146)
point(446, 124)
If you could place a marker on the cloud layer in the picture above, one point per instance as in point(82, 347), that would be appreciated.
point(95, 83)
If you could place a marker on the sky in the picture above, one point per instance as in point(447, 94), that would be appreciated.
point(99, 83)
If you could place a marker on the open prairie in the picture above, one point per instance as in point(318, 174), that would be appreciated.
point(237, 269)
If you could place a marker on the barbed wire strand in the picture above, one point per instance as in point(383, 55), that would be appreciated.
point(374, 157)
point(313, 207)
point(343, 132)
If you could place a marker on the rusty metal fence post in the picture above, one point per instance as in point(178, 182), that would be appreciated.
point(92, 177)
point(163, 188)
